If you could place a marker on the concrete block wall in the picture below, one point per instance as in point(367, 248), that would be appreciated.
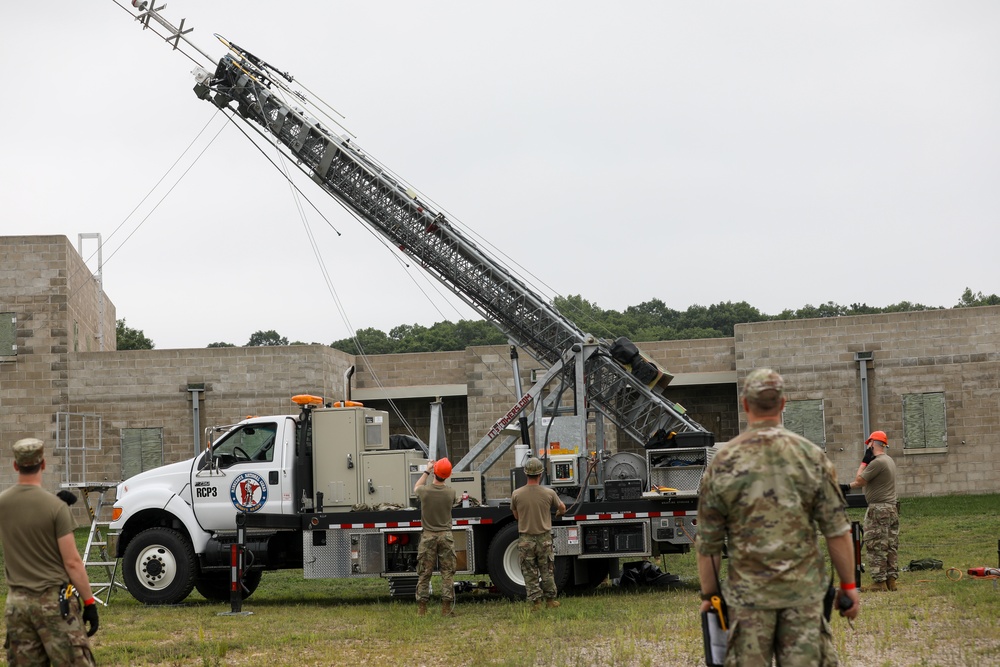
point(955, 351)
point(703, 355)
point(46, 284)
point(149, 389)
point(54, 297)
point(406, 370)
point(88, 330)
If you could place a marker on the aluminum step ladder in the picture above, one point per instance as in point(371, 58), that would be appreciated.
point(102, 568)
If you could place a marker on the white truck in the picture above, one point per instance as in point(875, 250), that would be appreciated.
point(323, 491)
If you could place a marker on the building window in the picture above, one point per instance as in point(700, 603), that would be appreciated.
point(806, 419)
point(142, 449)
point(8, 335)
point(924, 425)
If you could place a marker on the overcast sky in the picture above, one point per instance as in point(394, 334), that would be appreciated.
point(779, 153)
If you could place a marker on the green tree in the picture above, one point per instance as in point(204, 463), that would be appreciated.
point(649, 321)
point(266, 338)
point(367, 341)
point(220, 344)
point(478, 332)
point(968, 299)
point(127, 338)
point(588, 316)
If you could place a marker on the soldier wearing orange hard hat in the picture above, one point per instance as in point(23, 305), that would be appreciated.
point(436, 541)
point(878, 479)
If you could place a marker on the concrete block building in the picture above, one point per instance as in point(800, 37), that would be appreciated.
point(930, 379)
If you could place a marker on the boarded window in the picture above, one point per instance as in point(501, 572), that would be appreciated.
point(142, 449)
point(806, 419)
point(8, 335)
point(924, 424)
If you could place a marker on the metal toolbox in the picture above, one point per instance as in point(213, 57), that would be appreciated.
point(678, 468)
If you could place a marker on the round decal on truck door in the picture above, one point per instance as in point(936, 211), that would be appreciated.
point(248, 492)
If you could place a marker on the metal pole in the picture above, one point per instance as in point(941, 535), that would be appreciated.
point(196, 416)
point(863, 358)
point(100, 283)
point(522, 420)
point(236, 553)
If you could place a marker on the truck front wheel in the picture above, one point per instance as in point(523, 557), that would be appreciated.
point(504, 565)
point(159, 566)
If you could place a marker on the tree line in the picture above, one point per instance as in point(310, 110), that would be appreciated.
point(649, 321)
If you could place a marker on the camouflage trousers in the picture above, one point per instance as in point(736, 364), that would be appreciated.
point(882, 540)
point(436, 547)
point(37, 634)
point(795, 637)
point(537, 559)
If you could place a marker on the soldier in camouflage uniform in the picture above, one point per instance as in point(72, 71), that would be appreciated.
point(436, 541)
point(531, 505)
point(767, 493)
point(40, 556)
point(878, 479)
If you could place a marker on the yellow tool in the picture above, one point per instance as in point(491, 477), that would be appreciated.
point(717, 605)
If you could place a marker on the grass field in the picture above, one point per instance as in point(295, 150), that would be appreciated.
point(930, 621)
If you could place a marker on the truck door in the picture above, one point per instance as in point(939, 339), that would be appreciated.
point(243, 474)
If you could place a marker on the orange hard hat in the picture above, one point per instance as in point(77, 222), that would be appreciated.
point(878, 435)
point(442, 468)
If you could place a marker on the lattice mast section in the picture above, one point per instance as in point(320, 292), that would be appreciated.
point(396, 212)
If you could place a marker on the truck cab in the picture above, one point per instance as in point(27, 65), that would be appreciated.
point(249, 469)
point(177, 523)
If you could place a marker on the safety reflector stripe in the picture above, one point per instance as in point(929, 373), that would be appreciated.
point(626, 515)
point(406, 524)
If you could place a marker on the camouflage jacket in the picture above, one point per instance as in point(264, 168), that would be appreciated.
point(767, 492)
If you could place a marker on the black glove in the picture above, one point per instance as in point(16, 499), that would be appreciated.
point(67, 497)
point(845, 488)
point(869, 456)
point(90, 618)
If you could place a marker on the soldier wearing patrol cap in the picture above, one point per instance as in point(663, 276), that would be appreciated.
point(768, 493)
point(531, 505)
point(42, 567)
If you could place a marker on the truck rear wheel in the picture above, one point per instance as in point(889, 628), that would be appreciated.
point(214, 584)
point(504, 565)
point(159, 566)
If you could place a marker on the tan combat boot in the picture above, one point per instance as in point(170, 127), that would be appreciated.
point(875, 587)
point(537, 606)
point(552, 603)
point(422, 608)
point(891, 583)
point(447, 608)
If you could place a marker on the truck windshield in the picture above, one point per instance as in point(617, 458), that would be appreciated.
point(249, 443)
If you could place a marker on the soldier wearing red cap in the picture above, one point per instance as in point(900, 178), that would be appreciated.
point(40, 556)
point(878, 479)
point(436, 541)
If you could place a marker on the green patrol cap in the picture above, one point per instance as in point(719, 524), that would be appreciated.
point(761, 380)
point(28, 452)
